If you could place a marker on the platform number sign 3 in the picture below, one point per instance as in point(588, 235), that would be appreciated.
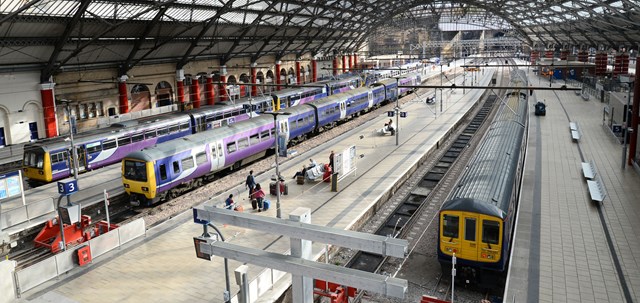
point(67, 187)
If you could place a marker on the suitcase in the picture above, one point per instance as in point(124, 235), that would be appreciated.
point(272, 188)
point(266, 204)
point(254, 204)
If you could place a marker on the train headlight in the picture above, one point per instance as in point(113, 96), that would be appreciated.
point(145, 189)
point(40, 172)
point(126, 185)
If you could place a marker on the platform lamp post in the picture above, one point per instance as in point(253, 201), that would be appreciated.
point(275, 124)
point(74, 154)
point(626, 125)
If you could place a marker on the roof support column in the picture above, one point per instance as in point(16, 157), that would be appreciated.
point(335, 66)
point(254, 79)
point(344, 64)
point(122, 94)
point(208, 91)
point(583, 56)
point(548, 54)
point(635, 111)
point(355, 60)
point(350, 63)
point(298, 72)
point(314, 70)
point(223, 84)
point(49, 106)
point(195, 91)
point(564, 54)
point(278, 80)
point(180, 85)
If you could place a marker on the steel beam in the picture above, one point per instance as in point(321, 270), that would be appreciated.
point(385, 246)
point(341, 275)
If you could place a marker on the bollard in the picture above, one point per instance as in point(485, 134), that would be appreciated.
point(334, 182)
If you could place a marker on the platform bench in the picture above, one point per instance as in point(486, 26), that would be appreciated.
point(588, 170)
point(596, 191)
point(575, 133)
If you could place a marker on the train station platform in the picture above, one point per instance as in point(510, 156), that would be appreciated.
point(569, 248)
point(162, 267)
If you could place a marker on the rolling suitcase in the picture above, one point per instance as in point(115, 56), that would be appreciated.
point(254, 204)
point(266, 204)
point(272, 188)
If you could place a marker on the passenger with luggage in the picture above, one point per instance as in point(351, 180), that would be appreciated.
point(250, 183)
point(258, 194)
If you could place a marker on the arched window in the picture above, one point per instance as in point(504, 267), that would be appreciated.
point(164, 94)
point(140, 98)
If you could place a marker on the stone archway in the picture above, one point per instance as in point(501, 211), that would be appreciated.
point(140, 98)
point(269, 81)
point(164, 94)
point(291, 76)
point(245, 90)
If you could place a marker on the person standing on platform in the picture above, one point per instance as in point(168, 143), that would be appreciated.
point(250, 183)
point(331, 161)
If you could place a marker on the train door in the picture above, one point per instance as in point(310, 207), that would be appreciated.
point(343, 109)
point(370, 98)
point(82, 158)
point(217, 156)
point(283, 131)
point(468, 243)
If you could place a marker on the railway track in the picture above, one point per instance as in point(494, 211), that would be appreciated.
point(414, 217)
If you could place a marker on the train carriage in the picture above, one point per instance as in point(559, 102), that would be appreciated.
point(476, 222)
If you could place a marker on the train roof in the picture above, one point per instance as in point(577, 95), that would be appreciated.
point(492, 172)
point(113, 131)
point(474, 206)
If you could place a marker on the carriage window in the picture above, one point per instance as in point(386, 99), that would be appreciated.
point(109, 144)
point(231, 147)
point(213, 152)
point(184, 126)
point(135, 170)
point(243, 143)
point(187, 163)
point(163, 172)
point(254, 139)
point(470, 229)
point(176, 167)
point(174, 129)
point(220, 150)
point(124, 141)
point(150, 134)
point(201, 158)
point(137, 138)
point(54, 158)
point(490, 231)
point(94, 147)
point(264, 135)
point(163, 131)
point(450, 226)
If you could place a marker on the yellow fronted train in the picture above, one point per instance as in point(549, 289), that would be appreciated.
point(476, 222)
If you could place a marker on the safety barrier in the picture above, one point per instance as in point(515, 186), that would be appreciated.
point(54, 266)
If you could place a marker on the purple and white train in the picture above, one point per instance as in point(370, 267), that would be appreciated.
point(166, 170)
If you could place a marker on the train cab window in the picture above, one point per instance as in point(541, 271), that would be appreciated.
point(163, 131)
point(150, 134)
point(163, 172)
point(137, 137)
point(176, 167)
point(135, 170)
point(231, 147)
point(109, 144)
point(490, 231)
point(201, 158)
point(451, 224)
point(187, 163)
point(124, 141)
point(470, 229)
